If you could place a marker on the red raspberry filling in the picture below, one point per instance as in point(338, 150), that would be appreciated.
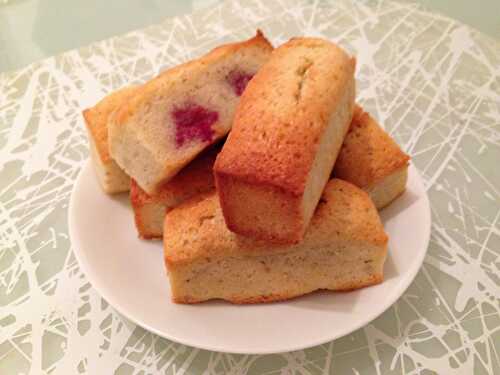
point(238, 80)
point(193, 122)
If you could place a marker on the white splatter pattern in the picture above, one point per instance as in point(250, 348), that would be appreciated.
point(435, 85)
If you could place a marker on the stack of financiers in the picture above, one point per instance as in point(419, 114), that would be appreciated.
point(256, 167)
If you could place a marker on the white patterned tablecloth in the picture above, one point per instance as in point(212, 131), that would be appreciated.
point(433, 83)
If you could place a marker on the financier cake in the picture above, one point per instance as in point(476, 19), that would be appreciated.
point(287, 132)
point(344, 248)
point(372, 160)
point(175, 116)
point(110, 175)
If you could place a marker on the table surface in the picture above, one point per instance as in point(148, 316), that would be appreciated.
point(34, 29)
point(432, 82)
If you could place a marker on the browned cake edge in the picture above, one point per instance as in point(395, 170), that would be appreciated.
point(368, 236)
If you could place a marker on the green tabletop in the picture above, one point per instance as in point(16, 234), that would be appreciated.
point(33, 29)
point(433, 82)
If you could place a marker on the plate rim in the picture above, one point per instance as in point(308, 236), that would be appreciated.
point(115, 304)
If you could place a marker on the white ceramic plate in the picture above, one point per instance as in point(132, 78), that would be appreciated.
point(130, 275)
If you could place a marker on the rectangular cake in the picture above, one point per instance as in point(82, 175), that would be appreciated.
point(344, 248)
point(287, 132)
point(110, 176)
point(372, 160)
point(175, 116)
point(194, 179)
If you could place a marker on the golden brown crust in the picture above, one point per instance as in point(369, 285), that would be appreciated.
point(269, 298)
point(275, 122)
point(282, 210)
point(170, 76)
point(327, 225)
point(149, 236)
point(96, 118)
point(368, 154)
point(139, 197)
